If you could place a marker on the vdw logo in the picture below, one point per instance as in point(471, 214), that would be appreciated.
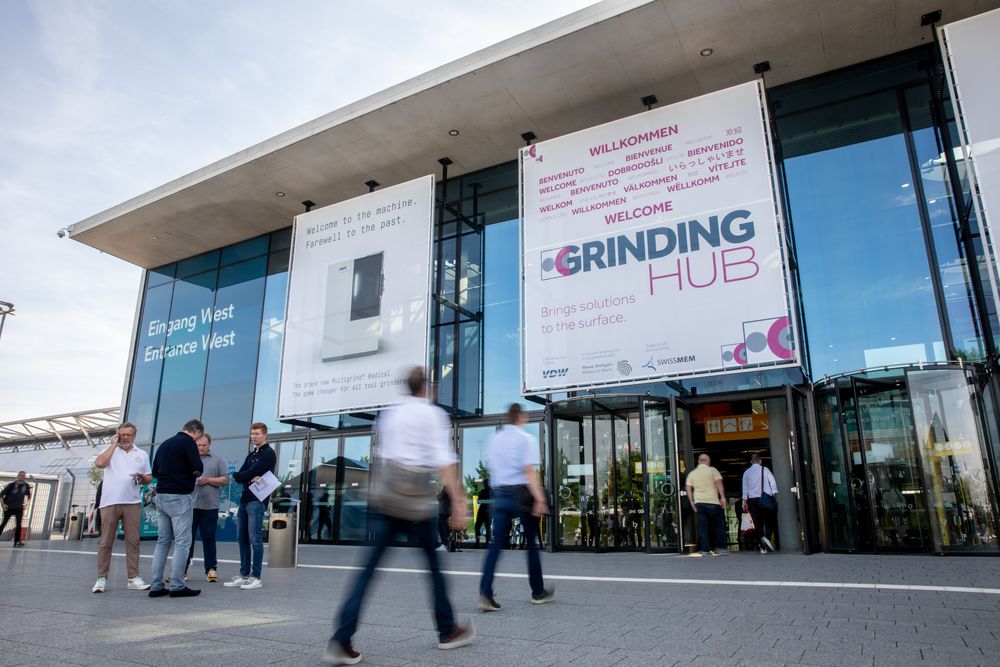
point(550, 373)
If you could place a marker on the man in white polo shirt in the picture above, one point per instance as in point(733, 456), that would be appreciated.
point(126, 469)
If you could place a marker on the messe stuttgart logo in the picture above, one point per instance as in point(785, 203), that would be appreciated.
point(554, 263)
point(532, 152)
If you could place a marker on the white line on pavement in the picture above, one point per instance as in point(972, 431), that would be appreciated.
point(626, 580)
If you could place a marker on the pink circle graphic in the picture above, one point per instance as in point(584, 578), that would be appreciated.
point(560, 265)
point(740, 354)
point(779, 338)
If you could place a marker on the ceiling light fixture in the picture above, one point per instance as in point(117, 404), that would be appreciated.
point(706, 52)
point(453, 132)
point(279, 193)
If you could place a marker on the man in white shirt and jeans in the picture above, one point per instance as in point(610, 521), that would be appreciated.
point(126, 469)
point(414, 435)
point(513, 464)
point(757, 480)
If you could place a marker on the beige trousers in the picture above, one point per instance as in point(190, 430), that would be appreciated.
point(110, 516)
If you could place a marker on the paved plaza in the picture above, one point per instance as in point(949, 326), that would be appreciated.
point(610, 609)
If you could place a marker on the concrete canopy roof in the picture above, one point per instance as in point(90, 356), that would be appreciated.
point(584, 69)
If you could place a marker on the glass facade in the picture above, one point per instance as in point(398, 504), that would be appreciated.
point(888, 268)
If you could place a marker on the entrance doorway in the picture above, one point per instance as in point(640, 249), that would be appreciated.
point(730, 432)
point(614, 474)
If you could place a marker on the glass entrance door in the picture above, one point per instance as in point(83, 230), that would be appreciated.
point(609, 495)
point(888, 449)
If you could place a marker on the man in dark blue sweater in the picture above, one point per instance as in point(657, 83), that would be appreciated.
point(176, 466)
point(250, 517)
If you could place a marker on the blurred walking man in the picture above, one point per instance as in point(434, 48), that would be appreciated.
point(412, 442)
point(205, 519)
point(126, 469)
point(176, 466)
point(12, 498)
point(513, 462)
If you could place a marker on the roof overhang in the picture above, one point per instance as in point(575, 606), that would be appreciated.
point(584, 69)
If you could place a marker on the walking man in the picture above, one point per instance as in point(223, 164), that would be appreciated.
point(483, 515)
point(176, 466)
point(708, 500)
point(512, 460)
point(758, 481)
point(205, 518)
point(12, 498)
point(413, 440)
point(250, 516)
point(126, 469)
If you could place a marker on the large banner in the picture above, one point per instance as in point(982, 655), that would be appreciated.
point(358, 288)
point(972, 49)
point(651, 248)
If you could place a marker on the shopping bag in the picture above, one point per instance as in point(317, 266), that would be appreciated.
point(746, 524)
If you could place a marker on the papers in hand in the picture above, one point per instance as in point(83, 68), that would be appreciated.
point(265, 486)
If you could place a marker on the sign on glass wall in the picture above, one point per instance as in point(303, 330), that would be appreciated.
point(358, 291)
point(651, 248)
point(972, 50)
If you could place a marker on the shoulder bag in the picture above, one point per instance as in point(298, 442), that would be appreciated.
point(767, 501)
point(402, 491)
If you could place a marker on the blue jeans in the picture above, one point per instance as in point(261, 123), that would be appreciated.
point(504, 510)
point(385, 528)
point(711, 523)
point(250, 532)
point(174, 527)
point(205, 522)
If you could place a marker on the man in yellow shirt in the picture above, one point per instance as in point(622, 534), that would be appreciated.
point(708, 500)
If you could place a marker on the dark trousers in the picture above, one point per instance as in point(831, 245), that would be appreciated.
point(483, 519)
point(205, 522)
point(504, 510)
point(15, 512)
point(763, 520)
point(711, 524)
point(385, 528)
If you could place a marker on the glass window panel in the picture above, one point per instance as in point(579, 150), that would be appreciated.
point(322, 497)
point(161, 275)
point(281, 239)
point(289, 471)
point(953, 270)
point(501, 318)
point(277, 262)
point(272, 332)
point(233, 343)
point(197, 264)
point(353, 487)
point(185, 355)
point(837, 472)
point(148, 363)
point(244, 250)
point(863, 269)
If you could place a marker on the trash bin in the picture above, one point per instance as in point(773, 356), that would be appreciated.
point(281, 540)
point(75, 531)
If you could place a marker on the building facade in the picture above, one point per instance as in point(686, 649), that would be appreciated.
point(885, 440)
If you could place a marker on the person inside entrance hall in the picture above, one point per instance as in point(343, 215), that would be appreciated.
point(707, 496)
point(758, 482)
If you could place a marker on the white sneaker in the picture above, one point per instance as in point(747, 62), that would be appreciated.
point(441, 547)
point(137, 584)
point(251, 583)
point(100, 585)
point(238, 580)
point(767, 543)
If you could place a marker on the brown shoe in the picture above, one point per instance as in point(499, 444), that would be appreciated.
point(460, 636)
point(212, 575)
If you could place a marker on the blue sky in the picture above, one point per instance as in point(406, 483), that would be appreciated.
point(105, 100)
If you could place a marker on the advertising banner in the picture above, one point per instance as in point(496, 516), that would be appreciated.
point(358, 288)
point(972, 49)
point(651, 248)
